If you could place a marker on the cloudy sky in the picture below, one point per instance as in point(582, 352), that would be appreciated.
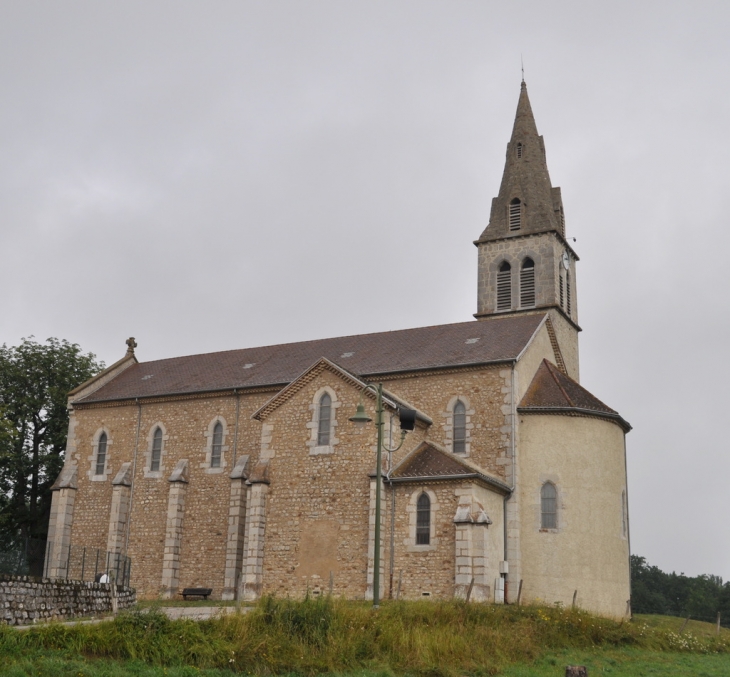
point(215, 175)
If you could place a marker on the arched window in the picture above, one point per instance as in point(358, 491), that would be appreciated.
point(423, 520)
point(216, 448)
point(567, 292)
point(101, 455)
point(515, 214)
point(459, 428)
point(504, 287)
point(548, 506)
point(519, 151)
point(527, 283)
point(156, 450)
point(324, 421)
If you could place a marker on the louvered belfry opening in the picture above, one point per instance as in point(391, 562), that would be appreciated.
point(567, 292)
point(527, 284)
point(519, 151)
point(504, 287)
point(515, 214)
point(562, 293)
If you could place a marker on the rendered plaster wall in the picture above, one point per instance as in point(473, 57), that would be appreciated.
point(589, 550)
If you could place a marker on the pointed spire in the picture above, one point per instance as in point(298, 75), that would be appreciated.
point(527, 202)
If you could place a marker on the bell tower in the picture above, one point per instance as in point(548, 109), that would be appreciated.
point(526, 264)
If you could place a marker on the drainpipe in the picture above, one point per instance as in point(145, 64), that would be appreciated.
point(134, 476)
point(513, 449)
point(235, 433)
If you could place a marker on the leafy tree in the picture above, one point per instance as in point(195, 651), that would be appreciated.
point(655, 592)
point(35, 379)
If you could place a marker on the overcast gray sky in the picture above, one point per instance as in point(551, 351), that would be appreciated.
point(216, 175)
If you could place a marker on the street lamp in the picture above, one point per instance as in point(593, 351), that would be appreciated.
point(407, 422)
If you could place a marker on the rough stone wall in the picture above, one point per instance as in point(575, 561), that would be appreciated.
point(424, 571)
point(486, 391)
point(316, 499)
point(546, 251)
point(318, 503)
point(203, 544)
point(25, 600)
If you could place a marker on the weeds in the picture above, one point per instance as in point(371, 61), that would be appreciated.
point(325, 635)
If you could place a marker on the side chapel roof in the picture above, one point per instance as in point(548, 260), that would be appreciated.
point(428, 461)
point(551, 391)
point(441, 346)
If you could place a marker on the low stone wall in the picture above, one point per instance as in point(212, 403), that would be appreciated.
point(25, 600)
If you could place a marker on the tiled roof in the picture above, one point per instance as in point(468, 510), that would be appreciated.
point(450, 345)
point(552, 391)
point(429, 461)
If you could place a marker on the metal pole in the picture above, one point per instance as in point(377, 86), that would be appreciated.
point(378, 481)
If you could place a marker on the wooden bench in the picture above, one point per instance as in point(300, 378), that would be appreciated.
point(196, 592)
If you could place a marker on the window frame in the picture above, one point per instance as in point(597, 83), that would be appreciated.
point(528, 288)
point(548, 518)
point(148, 471)
point(503, 287)
point(412, 512)
point(315, 448)
point(423, 519)
point(514, 215)
point(93, 458)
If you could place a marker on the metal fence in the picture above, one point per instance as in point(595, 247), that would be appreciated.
point(32, 557)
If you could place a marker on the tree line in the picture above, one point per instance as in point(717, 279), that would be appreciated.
point(655, 592)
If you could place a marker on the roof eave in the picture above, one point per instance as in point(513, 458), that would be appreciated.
point(615, 417)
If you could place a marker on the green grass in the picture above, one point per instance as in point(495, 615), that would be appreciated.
point(674, 624)
point(333, 636)
point(625, 663)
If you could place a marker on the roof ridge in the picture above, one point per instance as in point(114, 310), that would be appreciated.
point(557, 382)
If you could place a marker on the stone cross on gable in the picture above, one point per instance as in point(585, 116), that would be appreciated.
point(131, 345)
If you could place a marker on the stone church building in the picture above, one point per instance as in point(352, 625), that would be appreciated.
point(241, 471)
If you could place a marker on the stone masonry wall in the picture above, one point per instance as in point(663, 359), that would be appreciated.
point(25, 600)
point(318, 503)
point(185, 423)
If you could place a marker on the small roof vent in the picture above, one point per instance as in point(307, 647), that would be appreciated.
point(147, 377)
point(248, 365)
point(347, 354)
point(472, 340)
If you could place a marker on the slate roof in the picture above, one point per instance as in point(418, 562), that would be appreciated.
point(430, 461)
point(552, 391)
point(450, 345)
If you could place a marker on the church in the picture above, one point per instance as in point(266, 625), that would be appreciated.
point(244, 472)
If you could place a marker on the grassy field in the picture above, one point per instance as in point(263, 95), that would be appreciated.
point(349, 638)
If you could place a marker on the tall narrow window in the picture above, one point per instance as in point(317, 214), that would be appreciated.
point(423, 520)
point(548, 506)
point(519, 151)
point(156, 450)
point(216, 448)
point(101, 455)
point(567, 292)
point(504, 287)
point(562, 294)
point(515, 214)
point(325, 417)
point(459, 428)
point(624, 521)
point(527, 283)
